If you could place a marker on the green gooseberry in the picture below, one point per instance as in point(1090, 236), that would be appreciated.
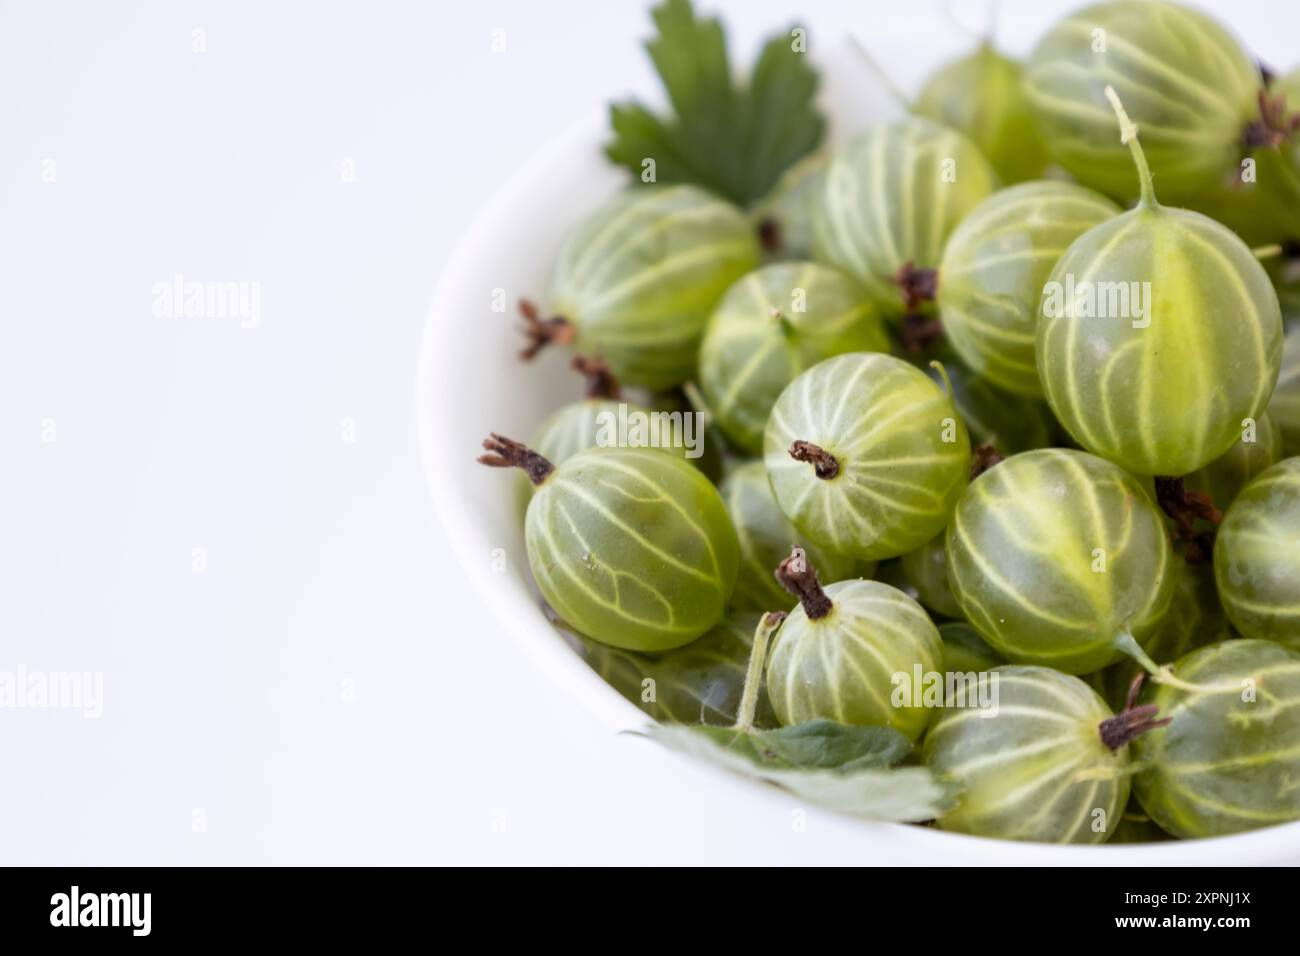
point(766, 537)
point(1258, 448)
point(1009, 423)
point(1230, 757)
point(993, 269)
point(636, 280)
point(927, 569)
point(964, 651)
point(837, 655)
point(700, 683)
point(1257, 556)
point(1060, 558)
point(866, 455)
point(889, 201)
point(1136, 827)
point(769, 327)
point(1274, 139)
point(981, 95)
point(1048, 762)
point(784, 217)
point(1195, 619)
point(630, 546)
point(1284, 406)
point(1159, 332)
point(1190, 83)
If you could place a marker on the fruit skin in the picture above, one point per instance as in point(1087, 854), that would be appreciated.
point(632, 547)
point(841, 667)
point(1257, 556)
point(1186, 81)
point(1284, 406)
point(1168, 397)
point(1224, 765)
point(1223, 478)
point(885, 422)
point(1010, 423)
point(1195, 619)
point(981, 95)
point(1037, 768)
point(1053, 554)
point(770, 326)
point(766, 537)
point(639, 276)
point(964, 651)
point(993, 270)
point(700, 683)
point(788, 207)
point(927, 569)
point(889, 199)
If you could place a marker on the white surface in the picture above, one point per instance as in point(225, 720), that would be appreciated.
point(329, 689)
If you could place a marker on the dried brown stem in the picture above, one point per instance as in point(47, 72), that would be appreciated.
point(601, 382)
point(799, 577)
point(506, 453)
point(1184, 508)
point(1131, 722)
point(769, 234)
point(824, 463)
point(542, 332)
point(1274, 125)
point(918, 286)
point(983, 457)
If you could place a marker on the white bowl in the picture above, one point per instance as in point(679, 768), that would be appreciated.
point(471, 383)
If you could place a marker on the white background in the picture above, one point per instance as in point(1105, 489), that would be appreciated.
point(327, 690)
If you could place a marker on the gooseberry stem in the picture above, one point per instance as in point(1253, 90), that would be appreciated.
point(1128, 644)
point(1267, 252)
point(799, 577)
point(696, 400)
point(1128, 135)
point(825, 465)
point(601, 382)
point(1131, 722)
point(507, 453)
point(542, 332)
point(1183, 507)
point(983, 457)
point(767, 626)
point(943, 374)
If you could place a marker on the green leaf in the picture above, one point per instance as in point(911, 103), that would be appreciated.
point(733, 142)
point(844, 769)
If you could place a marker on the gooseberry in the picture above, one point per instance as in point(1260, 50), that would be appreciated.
point(993, 269)
point(1047, 762)
point(866, 455)
point(1257, 556)
point(1284, 406)
point(1230, 758)
point(981, 95)
point(1009, 423)
point(766, 536)
point(784, 217)
point(1259, 448)
point(1059, 558)
point(630, 546)
point(927, 569)
point(769, 327)
point(837, 653)
point(1189, 81)
point(889, 201)
point(1159, 332)
point(964, 651)
point(636, 280)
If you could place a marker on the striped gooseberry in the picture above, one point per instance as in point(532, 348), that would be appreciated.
point(1060, 558)
point(981, 95)
point(1049, 763)
point(1185, 77)
point(993, 269)
point(700, 683)
point(1284, 406)
point(766, 536)
point(1257, 557)
point(635, 281)
point(1230, 758)
point(837, 653)
point(784, 217)
point(964, 651)
point(769, 327)
point(866, 455)
point(1258, 448)
point(629, 546)
point(1009, 423)
point(1159, 332)
point(927, 570)
point(888, 203)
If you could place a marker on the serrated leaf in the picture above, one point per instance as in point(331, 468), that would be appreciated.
point(735, 142)
point(904, 794)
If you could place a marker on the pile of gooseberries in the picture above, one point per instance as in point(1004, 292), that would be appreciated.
point(1006, 393)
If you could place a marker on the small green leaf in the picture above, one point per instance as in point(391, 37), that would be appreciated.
point(861, 785)
point(733, 142)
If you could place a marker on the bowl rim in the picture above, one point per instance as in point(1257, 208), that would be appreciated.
point(528, 627)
